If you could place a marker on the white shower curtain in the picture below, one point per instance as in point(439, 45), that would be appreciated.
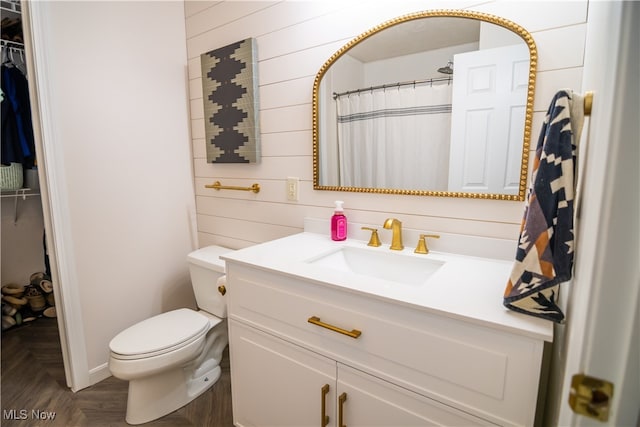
point(396, 137)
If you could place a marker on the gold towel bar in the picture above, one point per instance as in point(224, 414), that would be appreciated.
point(588, 102)
point(255, 187)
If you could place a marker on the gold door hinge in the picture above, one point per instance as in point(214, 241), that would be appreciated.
point(590, 396)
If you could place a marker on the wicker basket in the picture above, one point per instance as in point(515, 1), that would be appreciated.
point(35, 298)
point(11, 177)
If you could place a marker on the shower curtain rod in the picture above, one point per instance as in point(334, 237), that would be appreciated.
point(384, 86)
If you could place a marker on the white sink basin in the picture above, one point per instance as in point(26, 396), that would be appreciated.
point(387, 265)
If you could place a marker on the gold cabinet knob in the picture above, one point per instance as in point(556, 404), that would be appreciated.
point(222, 289)
point(422, 244)
point(374, 240)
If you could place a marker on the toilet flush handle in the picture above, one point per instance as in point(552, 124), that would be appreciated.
point(222, 289)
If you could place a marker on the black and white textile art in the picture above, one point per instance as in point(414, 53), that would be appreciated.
point(230, 96)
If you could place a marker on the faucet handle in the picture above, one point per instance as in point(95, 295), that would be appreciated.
point(422, 244)
point(374, 240)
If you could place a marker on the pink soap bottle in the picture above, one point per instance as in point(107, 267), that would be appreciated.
point(338, 223)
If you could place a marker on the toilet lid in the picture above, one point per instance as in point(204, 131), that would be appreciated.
point(160, 332)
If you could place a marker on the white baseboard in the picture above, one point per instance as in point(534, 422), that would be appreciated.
point(99, 373)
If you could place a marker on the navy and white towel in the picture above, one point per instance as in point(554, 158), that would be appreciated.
point(544, 257)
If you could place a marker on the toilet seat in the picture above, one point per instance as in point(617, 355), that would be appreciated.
point(160, 334)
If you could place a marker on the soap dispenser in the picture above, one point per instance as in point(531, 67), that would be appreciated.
point(338, 223)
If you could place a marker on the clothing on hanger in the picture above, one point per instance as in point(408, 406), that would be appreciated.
point(17, 144)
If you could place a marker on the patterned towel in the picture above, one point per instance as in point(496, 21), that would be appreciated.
point(544, 256)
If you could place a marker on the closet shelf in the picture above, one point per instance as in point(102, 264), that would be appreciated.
point(16, 195)
point(11, 6)
point(12, 44)
point(20, 192)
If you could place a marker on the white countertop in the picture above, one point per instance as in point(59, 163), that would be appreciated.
point(466, 287)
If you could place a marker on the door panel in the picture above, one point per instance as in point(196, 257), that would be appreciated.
point(487, 120)
point(603, 339)
point(276, 383)
point(373, 402)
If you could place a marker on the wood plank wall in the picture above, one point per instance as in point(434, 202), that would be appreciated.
point(294, 39)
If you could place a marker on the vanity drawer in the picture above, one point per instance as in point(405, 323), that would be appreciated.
point(492, 374)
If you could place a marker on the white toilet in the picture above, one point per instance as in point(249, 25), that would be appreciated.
point(172, 358)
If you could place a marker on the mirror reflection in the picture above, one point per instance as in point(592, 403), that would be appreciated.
point(433, 105)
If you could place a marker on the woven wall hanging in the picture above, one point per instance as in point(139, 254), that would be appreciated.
point(230, 96)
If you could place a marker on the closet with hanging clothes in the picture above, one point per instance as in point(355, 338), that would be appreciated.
point(25, 277)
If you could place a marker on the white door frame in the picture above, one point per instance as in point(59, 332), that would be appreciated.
point(54, 198)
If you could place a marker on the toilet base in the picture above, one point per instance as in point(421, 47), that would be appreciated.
point(154, 397)
point(157, 395)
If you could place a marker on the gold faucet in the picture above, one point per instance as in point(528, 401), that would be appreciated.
point(396, 238)
point(374, 240)
point(422, 244)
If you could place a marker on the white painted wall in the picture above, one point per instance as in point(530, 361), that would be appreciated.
point(113, 99)
point(417, 66)
point(22, 251)
point(293, 42)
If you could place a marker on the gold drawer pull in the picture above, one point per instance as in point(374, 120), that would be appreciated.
point(325, 418)
point(316, 321)
point(341, 399)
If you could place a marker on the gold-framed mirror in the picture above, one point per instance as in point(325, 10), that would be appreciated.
point(433, 103)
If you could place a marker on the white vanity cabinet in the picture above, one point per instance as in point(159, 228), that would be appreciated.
point(276, 383)
point(409, 366)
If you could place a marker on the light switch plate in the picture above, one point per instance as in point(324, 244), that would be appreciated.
point(292, 188)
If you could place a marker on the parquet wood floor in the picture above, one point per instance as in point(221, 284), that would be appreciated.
point(33, 380)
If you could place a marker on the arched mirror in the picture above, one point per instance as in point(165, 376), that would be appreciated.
point(435, 103)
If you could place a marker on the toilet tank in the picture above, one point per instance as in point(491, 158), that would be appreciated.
point(205, 268)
